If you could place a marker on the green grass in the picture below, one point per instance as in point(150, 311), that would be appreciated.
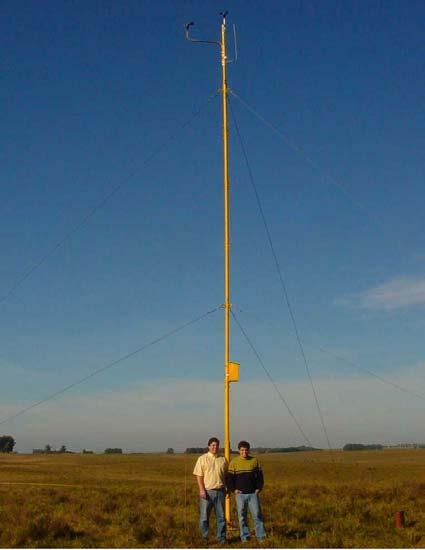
point(314, 500)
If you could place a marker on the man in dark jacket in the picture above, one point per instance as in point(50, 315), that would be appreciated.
point(245, 478)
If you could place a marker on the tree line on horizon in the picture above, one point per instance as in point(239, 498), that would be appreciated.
point(361, 447)
point(7, 444)
point(62, 450)
point(256, 450)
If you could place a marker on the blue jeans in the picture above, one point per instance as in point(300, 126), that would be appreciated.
point(251, 501)
point(215, 499)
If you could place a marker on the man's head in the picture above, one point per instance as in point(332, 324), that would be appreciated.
point(213, 445)
point(243, 447)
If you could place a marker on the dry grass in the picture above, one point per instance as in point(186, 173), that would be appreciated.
point(311, 500)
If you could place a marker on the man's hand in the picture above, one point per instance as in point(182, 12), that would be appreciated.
point(202, 490)
point(237, 492)
point(257, 491)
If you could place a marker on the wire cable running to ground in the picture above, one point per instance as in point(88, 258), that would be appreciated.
point(351, 363)
point(371, 373)
point(109, 365)
point(282, 280)
point(269, 376)
point(332, 180)
point(327, 177)
point(93, 211)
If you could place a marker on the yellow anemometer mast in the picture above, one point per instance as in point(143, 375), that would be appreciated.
point(231, 370)
point(226, 258)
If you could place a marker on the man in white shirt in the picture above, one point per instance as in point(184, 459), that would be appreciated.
point(210, 471)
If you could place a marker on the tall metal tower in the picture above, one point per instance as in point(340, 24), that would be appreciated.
point(231, 369)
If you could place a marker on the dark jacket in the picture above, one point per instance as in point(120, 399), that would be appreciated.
point(245, 475)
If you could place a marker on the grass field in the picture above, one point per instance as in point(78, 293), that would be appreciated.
point(318, 499)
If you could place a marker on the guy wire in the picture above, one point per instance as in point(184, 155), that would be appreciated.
point(109, 365)
point(269, 376)
point(350, 363)
point(327, 177)
point(281, 279)
point(94, 209)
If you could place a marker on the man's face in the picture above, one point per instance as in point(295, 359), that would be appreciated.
point(244, 452)
point(213, 447)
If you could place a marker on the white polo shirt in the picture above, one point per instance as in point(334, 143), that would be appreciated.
point(212, 468)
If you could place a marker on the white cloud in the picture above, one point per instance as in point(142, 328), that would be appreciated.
point(180, 414)
point(398, 293)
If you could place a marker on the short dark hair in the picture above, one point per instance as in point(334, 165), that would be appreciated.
point(213, 440)
point(244, 444)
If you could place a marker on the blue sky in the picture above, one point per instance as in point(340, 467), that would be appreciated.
point(94, 97)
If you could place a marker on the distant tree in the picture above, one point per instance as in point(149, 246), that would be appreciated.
point(47, 448)
point(361, 447)
point(113, 451)
point(62, 449)
point(195, 450)
point(86, 452)
point(262, 450)
point(170, 451)
point(6, 443)
point(353, 447)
